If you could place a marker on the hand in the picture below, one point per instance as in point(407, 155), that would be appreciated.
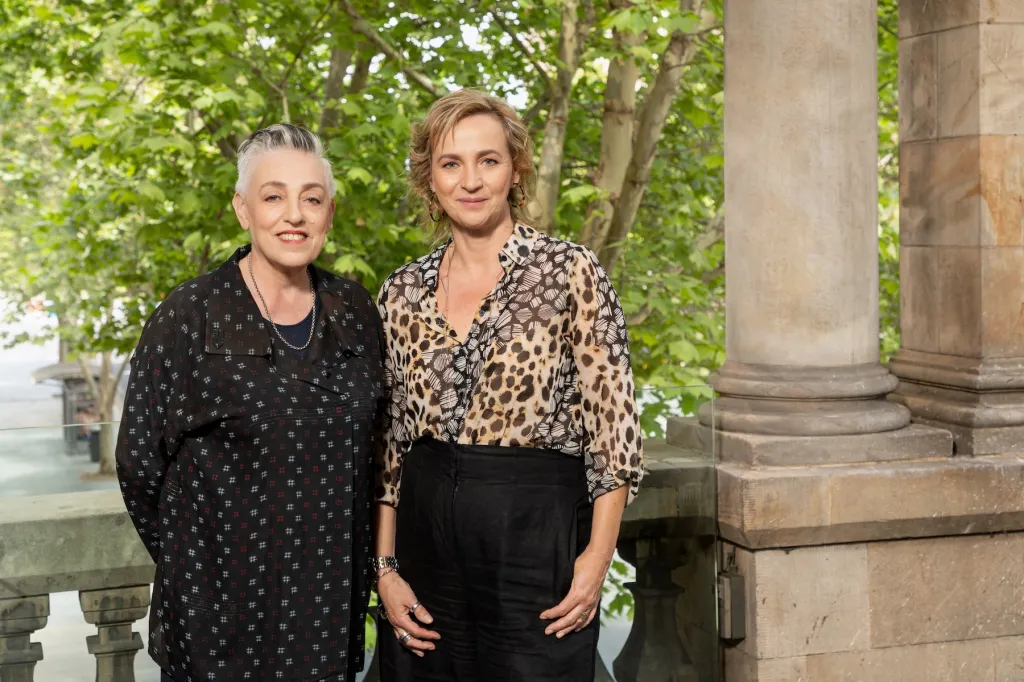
point(398, 600)
point(584, 599)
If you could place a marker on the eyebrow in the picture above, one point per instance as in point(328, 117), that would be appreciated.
point(281, 185)
point(484, 152)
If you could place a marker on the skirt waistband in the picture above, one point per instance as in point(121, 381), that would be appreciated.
point(498, 464)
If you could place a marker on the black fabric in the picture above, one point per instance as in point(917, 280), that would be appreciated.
point(247, 472)
point(488, 547)
point(164, 677)
point(296, 334)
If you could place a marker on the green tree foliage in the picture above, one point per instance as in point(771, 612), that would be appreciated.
point(123, 118)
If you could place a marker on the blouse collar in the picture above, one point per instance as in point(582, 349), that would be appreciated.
point(516, 251)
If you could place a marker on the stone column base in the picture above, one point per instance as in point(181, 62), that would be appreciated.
point(945, 609)
point(888, 570)
point(804, 401)
point(981, 402)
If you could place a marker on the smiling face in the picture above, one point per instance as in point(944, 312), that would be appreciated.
point(471, 174)
point(285, 208)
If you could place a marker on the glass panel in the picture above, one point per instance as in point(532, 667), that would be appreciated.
point(55, 459)
point(660, 605)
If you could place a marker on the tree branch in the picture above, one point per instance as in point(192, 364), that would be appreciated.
point(525, 50)
point(361, 26)
point(681, 49)
point(616, 136)
point(90, 380)
point(572, 36)
point(713, 233)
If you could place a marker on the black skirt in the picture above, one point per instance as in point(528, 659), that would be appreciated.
point(488, 537)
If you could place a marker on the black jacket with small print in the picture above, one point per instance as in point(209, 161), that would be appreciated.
point(247, 471)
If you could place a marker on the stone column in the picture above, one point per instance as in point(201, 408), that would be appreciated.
point(113, 611)
point(19, 618)
point(961, 365)
point(802, 231)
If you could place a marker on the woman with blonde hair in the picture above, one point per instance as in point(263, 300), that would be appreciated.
point(513, 437)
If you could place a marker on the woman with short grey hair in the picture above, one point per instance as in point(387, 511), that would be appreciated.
point(245, 451)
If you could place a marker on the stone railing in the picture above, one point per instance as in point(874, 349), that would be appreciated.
point(85, 542)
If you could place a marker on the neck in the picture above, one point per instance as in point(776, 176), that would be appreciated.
point(275, 278)
point(479, 249)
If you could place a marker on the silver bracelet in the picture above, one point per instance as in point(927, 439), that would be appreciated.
point(379, 562)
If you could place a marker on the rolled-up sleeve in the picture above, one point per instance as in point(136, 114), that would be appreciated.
point(613, 449)
point(142, 448)
point(394, 439)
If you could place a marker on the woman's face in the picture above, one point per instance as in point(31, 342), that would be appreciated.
point(285, 208)
point(471, 174)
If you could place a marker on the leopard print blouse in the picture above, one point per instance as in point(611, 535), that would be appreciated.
point(545, 364)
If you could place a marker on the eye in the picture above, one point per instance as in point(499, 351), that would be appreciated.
point(271, 197)
point(490, 162)
point(448, 164)
point(314, 200)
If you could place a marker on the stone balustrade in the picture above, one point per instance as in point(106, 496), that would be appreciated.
point(85, 542)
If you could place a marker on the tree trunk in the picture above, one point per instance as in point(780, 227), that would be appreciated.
point(571, 39)
point(361, 74)
point(104, 393)
point(659, 100)
point(107, 462)
point(334, 86)
point(616, 136)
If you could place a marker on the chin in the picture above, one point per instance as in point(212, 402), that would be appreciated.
point(298, 256)
point(477, 223)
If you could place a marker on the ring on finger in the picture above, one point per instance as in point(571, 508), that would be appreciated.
point(405, 638)
point(412, 609)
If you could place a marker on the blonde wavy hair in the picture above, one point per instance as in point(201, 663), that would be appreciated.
point(442, 117)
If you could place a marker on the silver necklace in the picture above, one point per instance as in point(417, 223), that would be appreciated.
point(267, 308)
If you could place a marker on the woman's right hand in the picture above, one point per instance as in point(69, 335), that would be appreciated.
point(398, 600)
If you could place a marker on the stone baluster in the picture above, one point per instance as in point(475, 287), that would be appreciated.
point(112, 611)
point(19, 618)
point(655, 648)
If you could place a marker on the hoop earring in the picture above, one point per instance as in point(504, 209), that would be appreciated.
point(430, 211)
point(522, 196)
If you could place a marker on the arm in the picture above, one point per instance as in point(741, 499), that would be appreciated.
point(141, 453)
point(612, 439)
point(395, 594)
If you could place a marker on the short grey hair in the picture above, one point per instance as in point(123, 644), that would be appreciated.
point(273, 138)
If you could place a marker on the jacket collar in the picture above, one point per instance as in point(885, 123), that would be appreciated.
point(235, 323)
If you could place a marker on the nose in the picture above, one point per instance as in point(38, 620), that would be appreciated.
point(471, 179)
point(294, 214)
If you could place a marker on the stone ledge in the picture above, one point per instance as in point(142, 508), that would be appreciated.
point(74, 541)
point(801, 506)
point(911, 443)
point(992, 660)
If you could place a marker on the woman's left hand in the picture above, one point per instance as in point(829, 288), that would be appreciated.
point(581, 605)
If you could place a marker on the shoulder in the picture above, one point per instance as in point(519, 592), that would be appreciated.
point(406, 282)
point(177, 312)
point(350, 291)
point(580, 263)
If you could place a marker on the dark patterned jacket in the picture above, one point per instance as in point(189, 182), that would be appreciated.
point(247, 471)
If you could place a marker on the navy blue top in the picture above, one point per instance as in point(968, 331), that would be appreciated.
point(298, 334)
